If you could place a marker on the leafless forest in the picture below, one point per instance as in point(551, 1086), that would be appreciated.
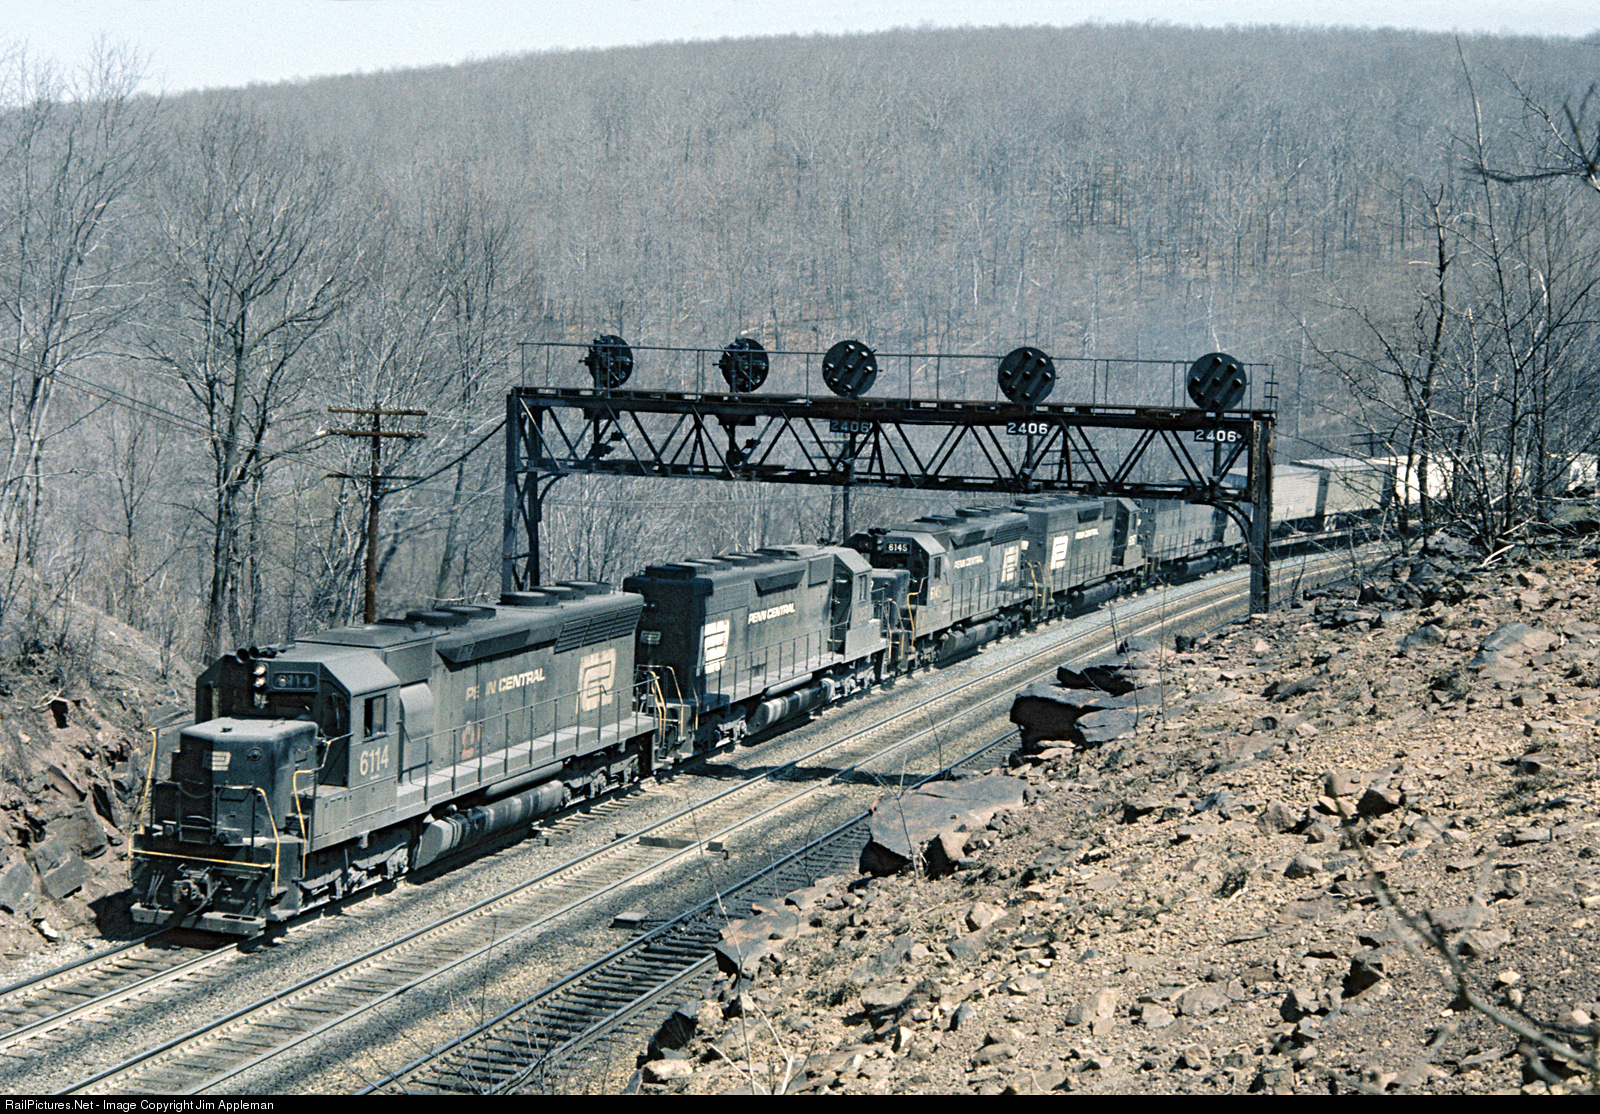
point(1404, 225)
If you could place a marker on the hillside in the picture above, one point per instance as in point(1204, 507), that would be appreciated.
point(75, 715)
point(1103, 192)
point(1195, 909)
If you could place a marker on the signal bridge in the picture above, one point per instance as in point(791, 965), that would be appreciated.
point(845, 440)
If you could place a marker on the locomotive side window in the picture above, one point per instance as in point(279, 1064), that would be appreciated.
point(376, 720)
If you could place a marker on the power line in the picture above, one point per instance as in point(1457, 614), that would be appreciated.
point(146, 409)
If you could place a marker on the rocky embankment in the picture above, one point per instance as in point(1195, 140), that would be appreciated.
point(1323, 848)
point(71, 776)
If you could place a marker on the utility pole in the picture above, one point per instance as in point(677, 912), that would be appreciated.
point(375, 434)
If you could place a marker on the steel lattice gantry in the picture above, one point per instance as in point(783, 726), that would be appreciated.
point(970, 447)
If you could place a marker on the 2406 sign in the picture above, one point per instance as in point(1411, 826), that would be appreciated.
point(1030, 429)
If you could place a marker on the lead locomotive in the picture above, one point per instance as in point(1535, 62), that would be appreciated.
point(363, 752)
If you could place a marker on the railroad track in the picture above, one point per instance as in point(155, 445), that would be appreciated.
point(612, 1004)
point(218, 1053)
point(533, 1043)
point(35, 1007)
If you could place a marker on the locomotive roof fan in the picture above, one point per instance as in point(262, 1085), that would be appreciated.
point(610, 361)
point(744, 365)
point(1027, 376)
point(848, 368)
point(1216, 382)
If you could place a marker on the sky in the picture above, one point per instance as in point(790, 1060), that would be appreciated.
point(196, 44)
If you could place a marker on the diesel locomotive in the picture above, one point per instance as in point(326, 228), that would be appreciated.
point(362, 753)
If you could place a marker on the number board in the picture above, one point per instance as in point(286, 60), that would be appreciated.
point(294, 682)
point(1030, 429)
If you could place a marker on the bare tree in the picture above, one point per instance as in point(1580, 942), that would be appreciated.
point(385, 356)
point(257, 257)
point(1492, 381)
point(472, 242)
point(446, 291)
point(1395, 376)
point(72, 151)
point(1534, 337)
point(1563, 144)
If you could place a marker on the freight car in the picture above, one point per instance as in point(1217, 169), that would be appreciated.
point(1336, 493)
point(359, 754)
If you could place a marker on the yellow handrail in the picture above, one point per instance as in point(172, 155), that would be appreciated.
point(305, 832)
point(277, 840)
point(149, 780)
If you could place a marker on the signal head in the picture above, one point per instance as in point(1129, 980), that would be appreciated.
point(610, 361)
point(848, 368)
point(744, 365)
point(1027, 376)
point(1216, 382)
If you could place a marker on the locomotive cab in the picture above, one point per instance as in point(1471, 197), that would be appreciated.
point(351, 697)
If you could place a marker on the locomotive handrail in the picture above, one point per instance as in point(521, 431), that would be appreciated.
point(439, 757)
point(277, 841)
point(677, 704)
point(305, 829)
point(148, 854)
point(656, 700)
point(1039, 587)
point(332, 742)
point(145, 801)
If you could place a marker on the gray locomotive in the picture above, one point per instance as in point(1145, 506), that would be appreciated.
point(361, 753)
point(952, 583)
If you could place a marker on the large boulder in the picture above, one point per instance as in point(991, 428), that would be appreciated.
point(1084, 716)
point(19, 887)
point(1512, 640)
point(910, 825)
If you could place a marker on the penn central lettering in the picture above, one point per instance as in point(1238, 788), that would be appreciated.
point(1081, 534)
point(967, 562)
point(771, 613)
point(505, 684)
point(517, 680)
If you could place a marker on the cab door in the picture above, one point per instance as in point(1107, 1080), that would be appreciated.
point(374, 755)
